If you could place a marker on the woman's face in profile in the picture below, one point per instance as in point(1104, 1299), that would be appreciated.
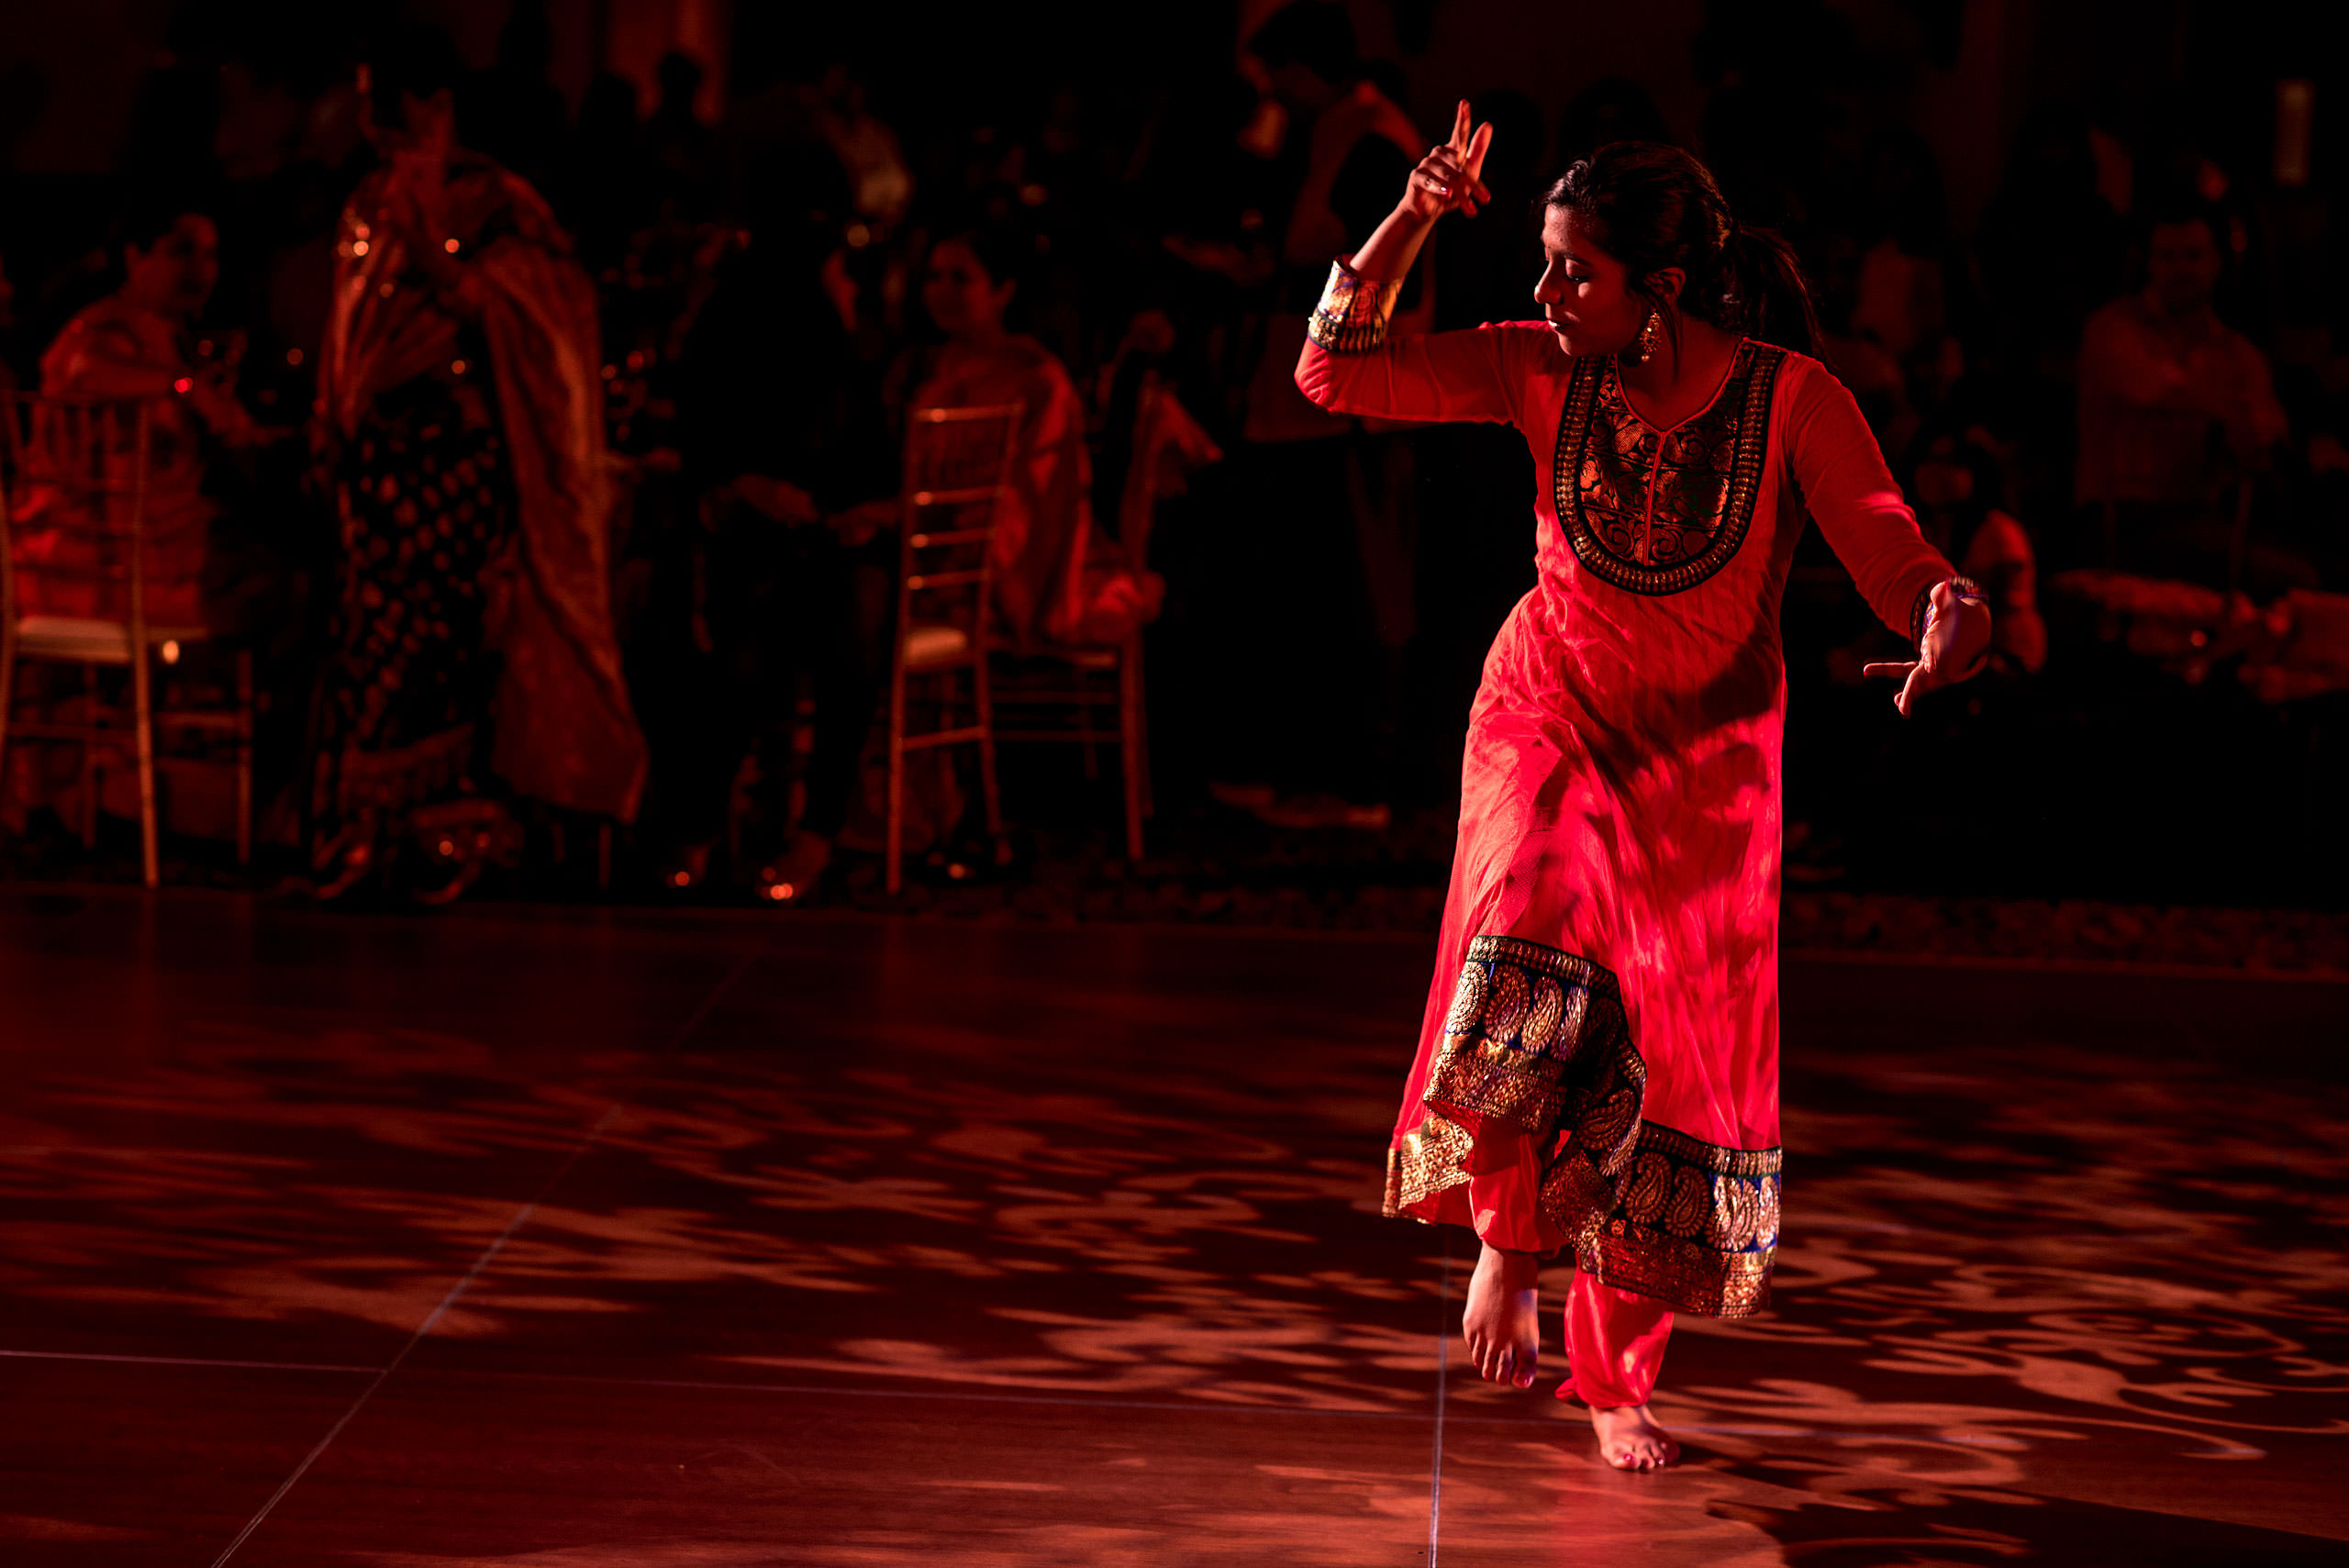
point(177, 274)
point(959, 293)
point(1583, 291)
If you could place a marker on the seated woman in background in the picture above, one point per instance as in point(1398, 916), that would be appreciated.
point(1057, 579)
point(135, 344)
point(461, 430)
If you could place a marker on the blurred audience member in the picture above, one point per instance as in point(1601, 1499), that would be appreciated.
point(783, 440)
point(460, 426)
point(2174, 404)
point(881, 186)
point(682, 146)
point(1914, 294)
point(135, 344)
point(1835, 261)
point(1057, 577)
point(1324, 498)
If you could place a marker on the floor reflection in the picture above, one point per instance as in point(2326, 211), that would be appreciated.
point(2049, 1299)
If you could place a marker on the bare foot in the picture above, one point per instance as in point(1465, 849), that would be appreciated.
point(1503, 1320)
point(1629, 1439)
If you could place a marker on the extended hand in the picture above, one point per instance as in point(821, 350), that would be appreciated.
point(1955, 644)
point(1446, 180)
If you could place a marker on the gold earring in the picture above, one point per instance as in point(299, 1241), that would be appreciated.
point(1648, 334)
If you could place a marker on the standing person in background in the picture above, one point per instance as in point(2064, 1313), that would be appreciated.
point(1335, 502)
point(780, 425)
point(459, 429)
point(1598, 1065)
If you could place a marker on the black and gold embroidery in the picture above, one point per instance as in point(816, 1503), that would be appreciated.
point(1659, 512)
point(1689, 1222)
point(1523, 1015)
point(1536, 1038)
point(1353, 314)
point(1433, 1156)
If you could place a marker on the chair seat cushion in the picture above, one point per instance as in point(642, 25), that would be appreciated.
point(928, 645)
point(86, 640)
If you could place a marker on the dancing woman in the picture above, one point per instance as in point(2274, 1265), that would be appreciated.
point(1599, 1065)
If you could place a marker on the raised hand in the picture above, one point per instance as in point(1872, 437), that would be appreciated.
point(1446, 180)
point(1955, 644)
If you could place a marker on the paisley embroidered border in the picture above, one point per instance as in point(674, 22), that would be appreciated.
point(1537, 1038)
point(1737, 507)
point(1690, 1278)
point(1523, 1017)
point(1685, 1222)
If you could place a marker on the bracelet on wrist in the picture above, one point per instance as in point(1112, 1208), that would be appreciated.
point(1964, 587)
point(1353, 314)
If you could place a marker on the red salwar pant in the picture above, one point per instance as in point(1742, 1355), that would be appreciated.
point(1614, 1344)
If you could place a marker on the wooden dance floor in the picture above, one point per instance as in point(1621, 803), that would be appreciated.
point(568, 1239)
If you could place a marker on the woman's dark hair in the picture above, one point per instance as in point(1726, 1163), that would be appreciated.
point(1003, 250)
point(412, 59)
point(1652, 207)
point(151, 213)
point(2172, 203)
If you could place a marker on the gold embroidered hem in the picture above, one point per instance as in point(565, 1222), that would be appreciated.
point(1535, 1034)
point(1537, 1038)
point(1353, 314)
point(1686, 1277)
point(1691, 1223)
point(1433, 1157)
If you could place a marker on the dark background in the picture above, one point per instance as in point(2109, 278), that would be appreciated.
point(2111, 774)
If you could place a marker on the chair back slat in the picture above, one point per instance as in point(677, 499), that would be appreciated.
point(78, 465)
point(957, 469)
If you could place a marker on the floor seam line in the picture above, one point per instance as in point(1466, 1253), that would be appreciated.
point(1443, 1377)
point(677, 1038)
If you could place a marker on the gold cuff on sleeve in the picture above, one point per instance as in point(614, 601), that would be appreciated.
point(1351, 316)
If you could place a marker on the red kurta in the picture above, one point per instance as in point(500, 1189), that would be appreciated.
point(1598, 1066)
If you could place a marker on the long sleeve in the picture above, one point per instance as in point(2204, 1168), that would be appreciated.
point(1441, 377)
point(1349, 365)
point(1852, 497)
